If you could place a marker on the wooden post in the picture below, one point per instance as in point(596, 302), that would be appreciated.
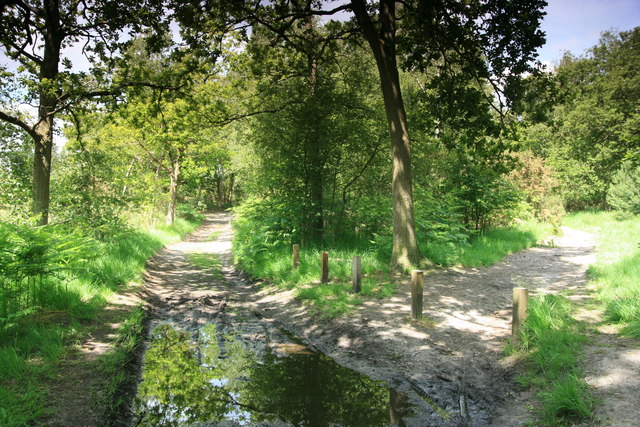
point(520, 303)
point(296, 255)
point(356, 274)
point(325, 267)
point(417, 285)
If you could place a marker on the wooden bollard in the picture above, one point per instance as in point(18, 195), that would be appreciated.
point(417, 285)
point(296, 255)
point(325, 267)
point(520, 304)
point(356, 274)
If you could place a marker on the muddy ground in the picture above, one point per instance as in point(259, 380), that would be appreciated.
point(454, 357)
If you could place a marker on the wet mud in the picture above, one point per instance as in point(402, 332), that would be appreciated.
point(449, 371)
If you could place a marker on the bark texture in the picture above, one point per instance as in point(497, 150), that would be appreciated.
point(382, 41)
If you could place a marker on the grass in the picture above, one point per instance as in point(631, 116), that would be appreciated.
point(550, 342)
point(210, 263)
point(114, 364)
point(336, 298)
point(488, 247)
point(616, 274)
point(33, 343)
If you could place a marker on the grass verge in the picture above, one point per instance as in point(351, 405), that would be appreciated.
point(616, 274)
point(115, 365)
point(334, 298)
point(274, 263)
point(34, 339)
point(488, 247)
point(550, 342)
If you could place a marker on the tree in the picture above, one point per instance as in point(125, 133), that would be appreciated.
point(35, 33)
point(486, 40)
point(624, 191)
point(594, 126)
point(316, 153)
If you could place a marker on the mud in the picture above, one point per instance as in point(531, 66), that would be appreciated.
point(451, 366)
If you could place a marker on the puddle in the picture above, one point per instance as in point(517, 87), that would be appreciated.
point(219, 375)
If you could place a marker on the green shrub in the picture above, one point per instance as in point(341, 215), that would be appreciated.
point(624, 191)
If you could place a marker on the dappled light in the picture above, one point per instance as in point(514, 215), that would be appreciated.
point(316, 213)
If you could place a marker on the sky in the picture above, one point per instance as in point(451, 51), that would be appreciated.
point(575, 25)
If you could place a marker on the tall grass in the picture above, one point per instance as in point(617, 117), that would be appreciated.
point(270, 259)
point(616, 274)
point(488, 247)
point(332, 299)
point(114, 364)
point(550, 341)
point(38, 322)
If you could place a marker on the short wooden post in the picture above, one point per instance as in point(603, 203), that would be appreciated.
point(520, 304)
point(325, 267)
point(356, 273)
point(296, 255)
point(417, 285)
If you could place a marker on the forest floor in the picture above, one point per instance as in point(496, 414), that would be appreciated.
point(453, 356)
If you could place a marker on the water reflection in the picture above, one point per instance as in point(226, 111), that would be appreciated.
point(213, 378)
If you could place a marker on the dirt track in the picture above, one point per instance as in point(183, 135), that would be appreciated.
point(456, 361)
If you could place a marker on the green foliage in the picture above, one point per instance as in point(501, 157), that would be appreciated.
point(208, 263)
point(624, 191)
point(567, 402)
point(16, 160)
point(263, 225)
point(28, 355)
point(550, 340)
point(267, 255)
point(487, 247)
point(33, 261)
point(491, 246)
point(616, 273)
point(593, 127)
point(50, 276)
point(539, 186)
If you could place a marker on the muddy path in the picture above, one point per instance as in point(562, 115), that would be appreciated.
point(454, 359)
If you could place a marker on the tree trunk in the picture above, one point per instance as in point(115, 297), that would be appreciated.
point(315, 172)
point(173, 189)
point(42, 169)
point(232, 178)
point(43, 138)
point(405, 252)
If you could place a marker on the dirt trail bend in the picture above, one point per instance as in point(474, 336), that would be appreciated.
point(455, 359)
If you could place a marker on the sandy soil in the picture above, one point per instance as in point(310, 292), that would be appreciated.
point(454, 358)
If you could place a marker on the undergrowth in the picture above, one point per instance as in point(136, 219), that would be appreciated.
point(616, 274)
point(331, 299)
point(490, 246)
point(51, 277)
point(263, 239)
point(550, 341)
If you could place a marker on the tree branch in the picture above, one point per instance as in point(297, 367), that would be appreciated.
point(20, 123)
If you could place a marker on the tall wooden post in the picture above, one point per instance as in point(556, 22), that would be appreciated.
point(296, 255)
point(417, 285)
point(325, 267)
point(520, 304)
point(356, 274)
